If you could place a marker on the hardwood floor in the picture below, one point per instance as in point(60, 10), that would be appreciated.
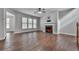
point(38, 41)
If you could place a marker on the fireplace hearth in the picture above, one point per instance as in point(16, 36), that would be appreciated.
point(49, 29)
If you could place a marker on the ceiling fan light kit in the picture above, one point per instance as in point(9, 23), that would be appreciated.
point(41, 10)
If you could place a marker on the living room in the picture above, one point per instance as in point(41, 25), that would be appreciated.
point(38, 29)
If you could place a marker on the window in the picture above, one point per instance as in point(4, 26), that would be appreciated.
point(34, 23)
point(29, 23)
point(24, 23)
point(8, 23)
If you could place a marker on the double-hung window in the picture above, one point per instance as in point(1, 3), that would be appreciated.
point(34, 23)
point(24, 23)
point(30, 22)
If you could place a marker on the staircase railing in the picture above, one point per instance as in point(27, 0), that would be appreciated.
point(77, 37)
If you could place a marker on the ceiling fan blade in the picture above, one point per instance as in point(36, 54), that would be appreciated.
point(44, 10)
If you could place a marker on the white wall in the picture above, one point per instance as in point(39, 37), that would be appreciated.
point(64, 12)
point(2, 23)
point(68, 23)
point(18, 21)
point(53, 17)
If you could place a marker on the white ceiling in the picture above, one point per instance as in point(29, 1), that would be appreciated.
point(32, 10)
point(9, 14)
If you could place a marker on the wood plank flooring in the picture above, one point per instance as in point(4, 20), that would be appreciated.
point(38, 41)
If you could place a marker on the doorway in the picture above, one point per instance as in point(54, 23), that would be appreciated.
point(9, 25)
point(10, 22)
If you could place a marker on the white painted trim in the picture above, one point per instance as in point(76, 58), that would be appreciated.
point(58, 23)
point(67, 33)
point(26, 31)
point(17, 32)
point(55, 33)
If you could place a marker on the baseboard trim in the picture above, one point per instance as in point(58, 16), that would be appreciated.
point(68, 34)
point(27, 32)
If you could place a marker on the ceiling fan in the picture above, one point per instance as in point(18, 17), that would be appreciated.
point(40, 10)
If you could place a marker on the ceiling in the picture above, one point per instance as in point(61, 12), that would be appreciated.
point(8, 14)
point(31, 11)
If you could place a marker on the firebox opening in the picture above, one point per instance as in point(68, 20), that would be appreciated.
point(49, 29)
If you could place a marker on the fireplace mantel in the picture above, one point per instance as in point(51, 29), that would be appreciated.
point(50, 24)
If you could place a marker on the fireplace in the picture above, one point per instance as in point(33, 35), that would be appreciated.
point(49, 29)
